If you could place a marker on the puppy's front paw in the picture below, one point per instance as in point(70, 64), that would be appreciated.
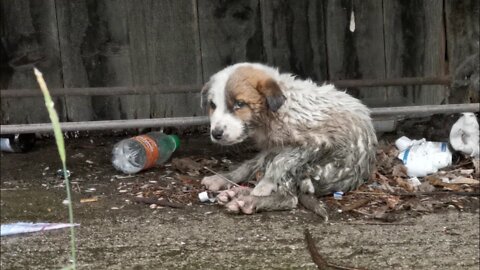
point(227, 195)
point(242, 204)
point(214, 183)
point(264, 188)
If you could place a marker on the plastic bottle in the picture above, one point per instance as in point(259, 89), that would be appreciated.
point(142, 152)
point(423, 157)
point(17, 143)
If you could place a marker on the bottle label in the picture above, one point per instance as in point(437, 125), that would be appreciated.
point(151, 150)
point(5, 145)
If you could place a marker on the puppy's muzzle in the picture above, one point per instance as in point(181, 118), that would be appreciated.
point(217, 133)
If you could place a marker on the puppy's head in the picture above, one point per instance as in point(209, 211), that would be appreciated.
point(239, 99)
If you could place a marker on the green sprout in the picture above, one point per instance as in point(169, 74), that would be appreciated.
point(61, 151)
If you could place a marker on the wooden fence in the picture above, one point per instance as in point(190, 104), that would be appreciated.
point(107, 43)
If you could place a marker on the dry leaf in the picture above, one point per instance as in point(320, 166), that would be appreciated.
point(399, 170)
point(465, 180)
point(186, 180)
point(435, 181)
point(186, 165)
point(207, 162)
point(426, 187)
point(392, 201)
point(405, 184)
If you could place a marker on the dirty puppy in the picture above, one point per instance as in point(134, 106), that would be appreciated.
point(314, 139)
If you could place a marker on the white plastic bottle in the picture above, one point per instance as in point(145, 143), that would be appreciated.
point(423, 157)
point(142, 152)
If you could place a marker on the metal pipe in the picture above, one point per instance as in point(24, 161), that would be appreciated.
point(425, 109)
point(203, 120)
point(165, 89)
point(106, 125)
point(443, 80)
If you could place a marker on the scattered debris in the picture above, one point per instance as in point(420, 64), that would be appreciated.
point(89, 200)
point(187, 165)
point(158, 202)
point(61, 174)
point(123, 176)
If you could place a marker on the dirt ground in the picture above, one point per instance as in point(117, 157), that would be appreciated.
point(118, 233)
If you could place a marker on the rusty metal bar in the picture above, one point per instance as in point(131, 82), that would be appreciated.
point(106, 125)
point(202, 120)
point(443, 80)
point(165, 89)
point(425, 109)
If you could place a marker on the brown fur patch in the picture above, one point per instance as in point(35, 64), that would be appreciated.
point(255, 88)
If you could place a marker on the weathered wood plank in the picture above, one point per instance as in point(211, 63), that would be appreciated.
point(358, 54)
point(96, 52)
point(230, 32)
point(414, 47)
point(294, 37)
point(30, 39)
point(72, 17)
point(174, 55)
point(463, 45)
point(138, 106)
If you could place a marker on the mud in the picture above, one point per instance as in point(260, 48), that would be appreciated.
point(118, 234)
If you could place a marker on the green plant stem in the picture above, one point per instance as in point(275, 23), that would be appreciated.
point(61, 151)
point(70, 217)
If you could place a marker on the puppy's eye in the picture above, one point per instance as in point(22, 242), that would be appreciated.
point(239, 104)
point(212, 105)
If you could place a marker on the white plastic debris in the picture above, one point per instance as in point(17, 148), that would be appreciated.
point(414, 182)
point(352, 22)
point(338, 195)
point(423, 157)
point(26, 227)
point(207, 196)
point(465, 135)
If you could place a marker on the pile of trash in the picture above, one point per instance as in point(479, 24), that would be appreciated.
point(420, 176)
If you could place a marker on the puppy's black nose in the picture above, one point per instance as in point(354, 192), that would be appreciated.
point(217, 133)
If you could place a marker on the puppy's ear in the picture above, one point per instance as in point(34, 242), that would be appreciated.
point(204, 94)
point(270, 89)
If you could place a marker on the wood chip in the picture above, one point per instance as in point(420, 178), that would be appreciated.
point(89, 200)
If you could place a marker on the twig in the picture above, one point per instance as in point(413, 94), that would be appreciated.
point(356, 205)
point(379, 223)
point(468, 162)
point(312, 249)
point(158, 202)
point(412, 194)
point(321, 263)
point(369, 193)
point(221, 176)
point(462, 193)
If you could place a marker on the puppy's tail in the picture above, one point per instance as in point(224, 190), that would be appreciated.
point(313, 204)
